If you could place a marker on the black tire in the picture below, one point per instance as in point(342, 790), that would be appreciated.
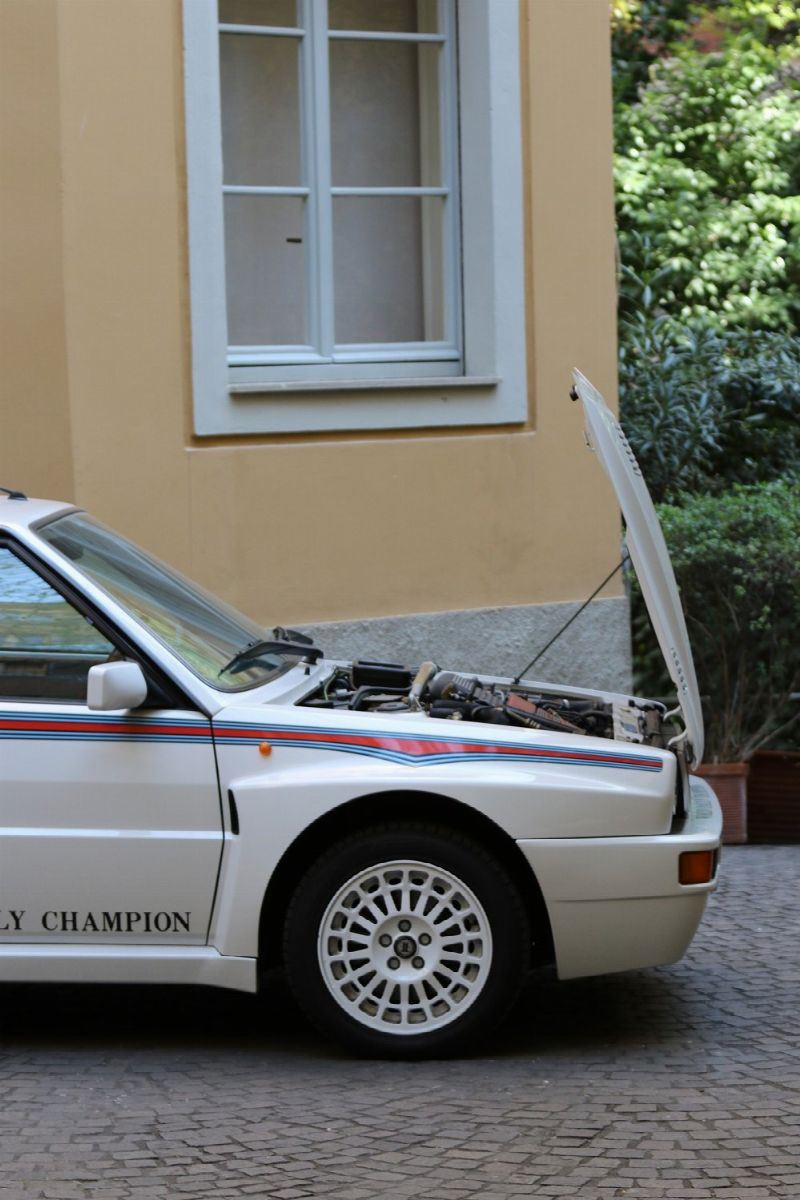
point(498, 959)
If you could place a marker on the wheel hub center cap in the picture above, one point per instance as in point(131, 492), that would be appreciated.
point(405, 946)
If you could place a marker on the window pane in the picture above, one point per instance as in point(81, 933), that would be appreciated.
point(46, 646)
point(258, 12)
point(265, 270)
point(259, 78)
point(388, 276)
point(385, 114)
point(384, 16)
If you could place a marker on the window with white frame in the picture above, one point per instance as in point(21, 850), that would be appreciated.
point(340, 181)
point(344, 234)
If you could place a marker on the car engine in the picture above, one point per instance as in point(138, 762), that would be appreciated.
point(391, 688)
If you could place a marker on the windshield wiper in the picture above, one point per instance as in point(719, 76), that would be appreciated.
point(303, 649)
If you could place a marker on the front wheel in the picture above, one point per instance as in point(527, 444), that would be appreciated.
point(406, 940)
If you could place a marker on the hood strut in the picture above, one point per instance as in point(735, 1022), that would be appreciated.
point(625, 559)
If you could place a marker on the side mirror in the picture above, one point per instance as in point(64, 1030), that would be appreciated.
point(116, 685)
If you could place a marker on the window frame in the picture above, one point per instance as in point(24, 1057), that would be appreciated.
point(404, 389)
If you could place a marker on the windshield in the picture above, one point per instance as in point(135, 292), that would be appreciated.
point(203, 632)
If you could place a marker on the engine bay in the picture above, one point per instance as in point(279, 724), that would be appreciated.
point(390, 688)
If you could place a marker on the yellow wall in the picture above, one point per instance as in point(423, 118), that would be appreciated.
point(35, 440)
point(96, 385)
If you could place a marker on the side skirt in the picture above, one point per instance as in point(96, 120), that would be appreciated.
point(47, 963)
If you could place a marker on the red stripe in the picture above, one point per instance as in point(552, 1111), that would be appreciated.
point(118, 727)
point(423, 748)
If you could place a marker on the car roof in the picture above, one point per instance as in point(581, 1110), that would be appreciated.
point(22, 514)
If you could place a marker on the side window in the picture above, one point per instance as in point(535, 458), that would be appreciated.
point(46, 645)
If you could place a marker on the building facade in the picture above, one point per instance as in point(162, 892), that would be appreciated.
point(291, 294)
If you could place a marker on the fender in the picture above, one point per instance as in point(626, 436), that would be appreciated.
point(280, 800)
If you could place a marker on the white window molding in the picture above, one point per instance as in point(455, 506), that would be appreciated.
point(413, 385)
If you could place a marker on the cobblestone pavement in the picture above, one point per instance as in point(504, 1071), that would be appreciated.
point(681, 1083)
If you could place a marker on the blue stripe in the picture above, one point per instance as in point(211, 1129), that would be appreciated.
point(401, 758)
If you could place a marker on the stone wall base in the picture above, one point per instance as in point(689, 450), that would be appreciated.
point(595, 652)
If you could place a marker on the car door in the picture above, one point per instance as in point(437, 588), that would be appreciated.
point(110, 823)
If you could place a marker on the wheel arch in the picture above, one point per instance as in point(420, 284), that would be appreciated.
point(379, 807)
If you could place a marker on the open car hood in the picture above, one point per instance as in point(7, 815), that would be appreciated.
point(648, 552)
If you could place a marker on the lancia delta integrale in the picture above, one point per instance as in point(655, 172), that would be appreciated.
point(189, 798)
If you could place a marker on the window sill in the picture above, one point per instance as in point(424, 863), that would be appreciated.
point(342, 405)
point(440, 382)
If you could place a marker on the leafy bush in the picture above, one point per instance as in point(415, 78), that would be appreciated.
point(737, 564)
point(707, 100)
point(645, 30)
point(772, 22)
point(705, 408)
point(640, 31)
point(708, 178)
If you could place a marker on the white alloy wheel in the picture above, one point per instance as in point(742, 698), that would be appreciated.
point(405, 947)
point(407, 938)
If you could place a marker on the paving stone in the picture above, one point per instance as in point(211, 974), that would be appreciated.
point(681, 1083)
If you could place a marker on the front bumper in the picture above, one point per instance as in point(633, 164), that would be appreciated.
point(615, 904)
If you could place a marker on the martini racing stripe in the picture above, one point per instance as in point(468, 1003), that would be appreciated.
point(413, 749)
point(400, 748)
point(88, 727)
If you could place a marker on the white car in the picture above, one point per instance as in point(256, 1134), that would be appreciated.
point(187, 798)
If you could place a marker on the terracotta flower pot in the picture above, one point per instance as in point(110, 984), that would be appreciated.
point(729, 781)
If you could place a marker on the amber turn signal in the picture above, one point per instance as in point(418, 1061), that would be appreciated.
point(265, 748)
point(696, 866)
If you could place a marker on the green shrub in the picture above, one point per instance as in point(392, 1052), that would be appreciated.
point(737, 561)
point(708, 178)
point(707, 115)
point(640, 31)
point(645, 30)
point(705, 408)
point(772, 22)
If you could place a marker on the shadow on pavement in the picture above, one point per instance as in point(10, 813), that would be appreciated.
point(581, 1013)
